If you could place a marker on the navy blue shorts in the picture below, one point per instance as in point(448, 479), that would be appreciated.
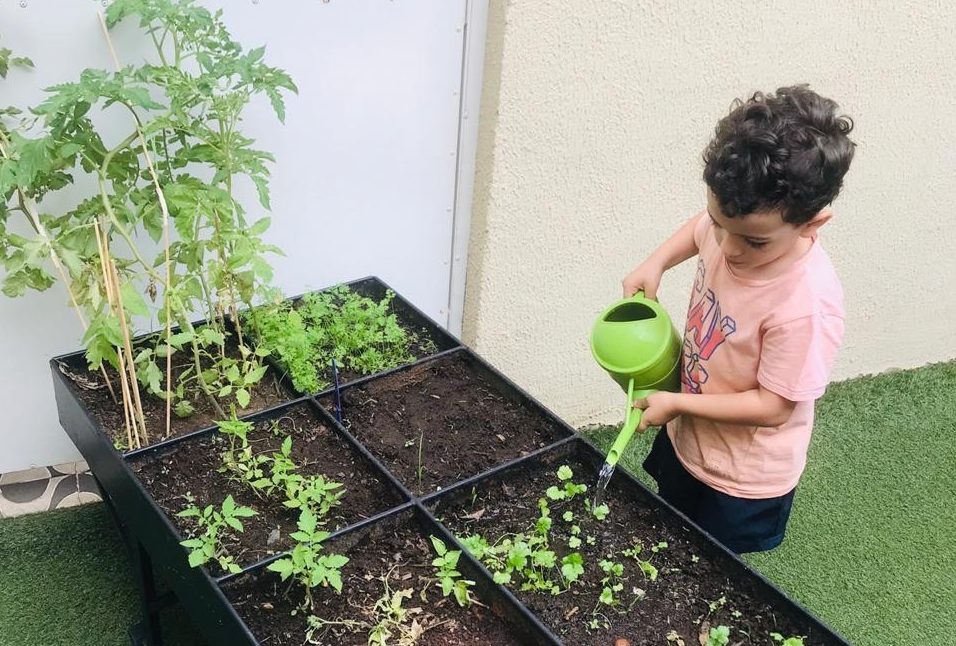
point(741, 524)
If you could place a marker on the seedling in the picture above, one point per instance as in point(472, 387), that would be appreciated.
point(572, 567)
point(788, 641)
point(449, 577)
point(313, 493)
point(674, 638)
point(718, 636)
point(207, 546)
point(307, 564)
point(612, 584)
point(235, 430)
point(393, 617)
point(569, 490)
point(660, 546)
point(716, 605)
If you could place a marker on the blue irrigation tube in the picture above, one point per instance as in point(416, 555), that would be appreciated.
point(338, 397)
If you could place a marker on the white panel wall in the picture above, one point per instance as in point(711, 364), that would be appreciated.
point(365, 175)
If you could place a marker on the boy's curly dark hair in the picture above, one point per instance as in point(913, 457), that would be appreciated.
point(787, 150)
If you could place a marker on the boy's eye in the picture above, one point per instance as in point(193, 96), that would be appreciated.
point(756, 244)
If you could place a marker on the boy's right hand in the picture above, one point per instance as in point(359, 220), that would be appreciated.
point(646, 277)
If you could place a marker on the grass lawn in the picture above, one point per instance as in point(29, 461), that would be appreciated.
point(871, 546)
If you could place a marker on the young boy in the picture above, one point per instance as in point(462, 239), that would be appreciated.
point(765, 319)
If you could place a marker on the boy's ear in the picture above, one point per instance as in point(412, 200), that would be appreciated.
point(810, 229)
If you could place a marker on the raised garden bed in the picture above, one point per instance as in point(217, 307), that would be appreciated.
point(447, 434)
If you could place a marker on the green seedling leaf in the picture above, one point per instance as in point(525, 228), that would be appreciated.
point(648, 569)
point(572, 566)
point(196, 558)
point(719, 636)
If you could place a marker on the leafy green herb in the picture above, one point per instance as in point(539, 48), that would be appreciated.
point(207, 546)
point(600, 512)
point(612, 583)
point(358, 332)
point(789, 641)
point(307, 564)
point(446, 571)
point(718, 636)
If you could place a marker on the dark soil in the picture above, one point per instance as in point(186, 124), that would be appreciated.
point(399, 555)
point(692, 574)
point(450, 411)
point(90, 388)
point(193, 466)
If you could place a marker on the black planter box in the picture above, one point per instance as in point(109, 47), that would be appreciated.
point(153, 538)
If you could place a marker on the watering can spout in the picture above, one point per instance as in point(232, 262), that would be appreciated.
point(632, 419)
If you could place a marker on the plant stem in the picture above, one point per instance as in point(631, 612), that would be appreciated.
point(28, 208)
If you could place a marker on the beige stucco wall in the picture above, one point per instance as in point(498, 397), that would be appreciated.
point(593, 119)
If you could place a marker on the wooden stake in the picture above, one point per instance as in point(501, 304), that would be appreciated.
point(108, 288)
point(128, 348)
point(161, 197)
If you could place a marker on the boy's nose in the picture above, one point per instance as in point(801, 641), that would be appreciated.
point(730, 248)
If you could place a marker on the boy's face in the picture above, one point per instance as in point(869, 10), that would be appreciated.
point(758, 241)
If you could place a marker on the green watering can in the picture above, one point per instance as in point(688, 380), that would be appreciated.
point(635, 341)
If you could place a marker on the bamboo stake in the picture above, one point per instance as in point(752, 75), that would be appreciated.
point(161, 197)
point(128, 347)
point(108, 288)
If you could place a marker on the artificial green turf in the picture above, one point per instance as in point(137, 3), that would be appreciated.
point(65, 580)
point(871, 545)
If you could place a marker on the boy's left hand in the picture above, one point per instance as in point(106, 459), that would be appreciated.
point(659, 408)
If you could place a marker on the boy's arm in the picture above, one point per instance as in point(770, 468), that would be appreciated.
point(758, 407)
point(675, 250)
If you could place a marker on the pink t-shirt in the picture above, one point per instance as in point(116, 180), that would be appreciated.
point(781, 333)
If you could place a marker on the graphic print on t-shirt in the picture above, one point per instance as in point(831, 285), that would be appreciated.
point(706, 330)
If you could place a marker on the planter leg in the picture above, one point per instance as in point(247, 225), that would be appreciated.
point(143, 567)
point(148, 632)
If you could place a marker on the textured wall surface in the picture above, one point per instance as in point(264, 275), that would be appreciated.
point(594, 116)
